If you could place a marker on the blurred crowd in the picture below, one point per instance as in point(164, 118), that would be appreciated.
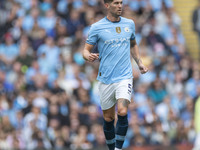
point(49, 95)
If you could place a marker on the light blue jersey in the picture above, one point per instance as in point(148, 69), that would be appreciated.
point(113, 41)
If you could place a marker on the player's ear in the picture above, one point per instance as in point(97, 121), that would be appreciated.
point(107, 5)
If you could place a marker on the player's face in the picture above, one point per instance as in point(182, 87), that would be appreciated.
point(115, 8)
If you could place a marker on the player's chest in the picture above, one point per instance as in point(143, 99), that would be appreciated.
point(114, 32)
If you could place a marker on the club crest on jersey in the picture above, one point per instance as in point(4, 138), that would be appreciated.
point(118, 29)
point(126, 29)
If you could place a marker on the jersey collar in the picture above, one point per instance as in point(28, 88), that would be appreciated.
point(113, 21)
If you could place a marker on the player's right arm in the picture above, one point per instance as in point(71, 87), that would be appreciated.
point(90, 43)
point(87, 55)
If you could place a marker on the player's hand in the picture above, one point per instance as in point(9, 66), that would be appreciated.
point(92, 57)
point(143, 68)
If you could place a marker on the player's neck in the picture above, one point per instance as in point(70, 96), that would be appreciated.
point(113, 18)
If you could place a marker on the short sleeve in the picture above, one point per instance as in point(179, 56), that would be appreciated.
point(133, 30)
point(92, 36)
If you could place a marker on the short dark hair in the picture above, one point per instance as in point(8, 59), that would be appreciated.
point(108, 1)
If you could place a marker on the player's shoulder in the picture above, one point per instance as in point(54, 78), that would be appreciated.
point(126, 20)
point(98, 23)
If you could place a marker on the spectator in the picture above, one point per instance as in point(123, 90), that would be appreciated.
point(196, 21)
point(9, 50)
point(157, 91)
point(29, 20)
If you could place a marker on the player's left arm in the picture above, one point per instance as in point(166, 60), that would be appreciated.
point(136, 56)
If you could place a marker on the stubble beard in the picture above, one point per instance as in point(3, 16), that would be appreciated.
point(116, 15)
